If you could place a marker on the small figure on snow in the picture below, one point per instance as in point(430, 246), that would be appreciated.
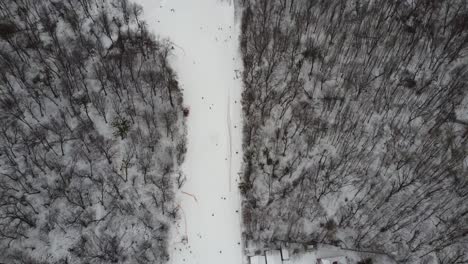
point(185, 111)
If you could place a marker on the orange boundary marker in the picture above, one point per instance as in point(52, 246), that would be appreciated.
point(195, 198)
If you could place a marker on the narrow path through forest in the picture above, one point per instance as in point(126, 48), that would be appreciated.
point(206, 60)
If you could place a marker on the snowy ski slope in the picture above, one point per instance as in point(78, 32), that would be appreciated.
point(207, 63)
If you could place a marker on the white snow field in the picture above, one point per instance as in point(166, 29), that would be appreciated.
point(206, 60)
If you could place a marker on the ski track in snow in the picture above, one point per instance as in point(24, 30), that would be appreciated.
point(229, 124)
point(206, 58)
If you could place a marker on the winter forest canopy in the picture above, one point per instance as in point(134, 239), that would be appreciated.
point(91, 134)
point(356, 125)
point(355, 129)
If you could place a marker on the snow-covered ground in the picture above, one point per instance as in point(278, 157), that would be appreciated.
point(206, 60)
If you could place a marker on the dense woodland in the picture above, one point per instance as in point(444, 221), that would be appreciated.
point(356, 125)
point(91, 134)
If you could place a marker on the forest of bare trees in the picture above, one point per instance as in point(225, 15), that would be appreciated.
point(356, 125)
point(91, 134)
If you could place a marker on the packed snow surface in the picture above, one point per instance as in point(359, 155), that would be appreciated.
point(204, 34)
